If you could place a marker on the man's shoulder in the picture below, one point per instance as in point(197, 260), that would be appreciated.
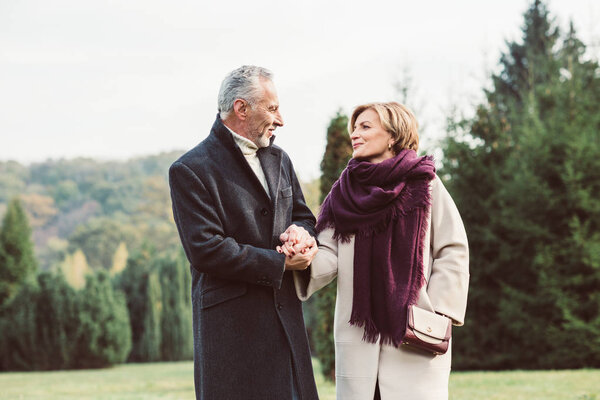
point(199, 157)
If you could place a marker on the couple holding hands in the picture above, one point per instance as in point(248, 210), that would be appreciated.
point(388, 230)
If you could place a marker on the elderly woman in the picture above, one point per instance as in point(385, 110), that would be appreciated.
point(392, 235)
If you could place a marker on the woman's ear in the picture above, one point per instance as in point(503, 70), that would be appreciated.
point(240, 107)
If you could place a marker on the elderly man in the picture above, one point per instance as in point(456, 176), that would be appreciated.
point(233, 195)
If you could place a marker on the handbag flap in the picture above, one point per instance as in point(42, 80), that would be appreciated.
point(429, 323)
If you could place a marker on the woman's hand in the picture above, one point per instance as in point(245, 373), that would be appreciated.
point(296, 240)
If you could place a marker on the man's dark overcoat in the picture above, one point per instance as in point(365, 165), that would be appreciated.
point(249, 334)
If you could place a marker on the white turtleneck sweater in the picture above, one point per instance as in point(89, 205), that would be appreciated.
point(249, 150)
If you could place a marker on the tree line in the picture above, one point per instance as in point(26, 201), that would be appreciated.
point(142, 313)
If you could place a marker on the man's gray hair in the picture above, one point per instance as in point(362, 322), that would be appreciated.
point(242, 83)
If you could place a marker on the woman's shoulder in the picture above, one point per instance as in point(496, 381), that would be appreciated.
point(440, 197)
point(437, 185)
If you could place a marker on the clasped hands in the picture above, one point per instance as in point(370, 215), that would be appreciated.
point(298, 246)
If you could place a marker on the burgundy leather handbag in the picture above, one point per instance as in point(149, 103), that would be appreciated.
point(427, 330)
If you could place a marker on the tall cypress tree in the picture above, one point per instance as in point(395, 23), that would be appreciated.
point(142, 290)
point(57, 322)
point(522, 173)
point(49, 326)
point(18, 330)
point(17, 259)
point(105, 334)
point(176, 316)
point(321, 308)
point(338, 152)
point(150, 340)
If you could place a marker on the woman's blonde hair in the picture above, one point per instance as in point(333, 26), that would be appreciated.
point(395, 118)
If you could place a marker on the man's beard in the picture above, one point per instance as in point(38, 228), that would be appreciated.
point(261, 140)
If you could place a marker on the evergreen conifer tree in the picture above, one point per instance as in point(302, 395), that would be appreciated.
point(18, 330)
point(17, 258)
point(176, 316)
point(322, 306)
point(105, 337)
point(57, 324)
point(142, 290)
point(523, 174)
point(150, 340)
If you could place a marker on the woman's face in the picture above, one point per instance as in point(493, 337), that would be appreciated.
point(369, 140)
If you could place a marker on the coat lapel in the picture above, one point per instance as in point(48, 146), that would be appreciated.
point(224, 136)
point(270, 160)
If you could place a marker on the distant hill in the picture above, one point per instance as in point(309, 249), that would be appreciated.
point(103, 209)
point(93, 205)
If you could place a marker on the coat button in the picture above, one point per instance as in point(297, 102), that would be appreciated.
point(279, 306)
point(264, 211)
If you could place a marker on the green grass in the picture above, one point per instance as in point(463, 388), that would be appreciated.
point(326, 388)
point(175, 381)
point(129, 381)
point(526, 385)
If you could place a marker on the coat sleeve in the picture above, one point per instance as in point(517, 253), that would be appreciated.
point(205, 244)
point(449, 281)
point(323, 268)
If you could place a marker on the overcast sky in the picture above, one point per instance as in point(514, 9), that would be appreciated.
point(115, 79)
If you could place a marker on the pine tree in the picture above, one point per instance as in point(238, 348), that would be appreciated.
point(18, 330)
point(57, 324)
point(522, 173)
point(142, 290)
point(176, 315)
point(149, 344)
point(338, 152)
point(48, 325)
point(17, 259)
point(559, 216)
point(39, 327)
point(105, 336)
point(322, 306)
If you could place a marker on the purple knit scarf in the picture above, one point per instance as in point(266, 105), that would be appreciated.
point(385, 206)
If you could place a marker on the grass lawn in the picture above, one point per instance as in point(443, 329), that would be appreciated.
point(581, 384)
point(174, 381)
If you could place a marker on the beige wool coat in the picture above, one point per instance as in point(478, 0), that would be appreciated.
point(402, 373)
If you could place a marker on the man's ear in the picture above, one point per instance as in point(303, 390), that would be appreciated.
point(240, 107)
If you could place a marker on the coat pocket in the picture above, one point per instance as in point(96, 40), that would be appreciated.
point(220, 294)
point(286, 192)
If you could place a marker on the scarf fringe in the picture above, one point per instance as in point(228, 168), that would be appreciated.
point(371, 333)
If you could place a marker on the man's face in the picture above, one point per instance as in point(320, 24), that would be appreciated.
point(264, 116)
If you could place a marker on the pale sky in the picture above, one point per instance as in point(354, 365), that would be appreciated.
point(116, 79)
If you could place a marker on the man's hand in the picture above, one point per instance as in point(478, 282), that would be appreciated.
point(298, 246)
point(295, 240)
